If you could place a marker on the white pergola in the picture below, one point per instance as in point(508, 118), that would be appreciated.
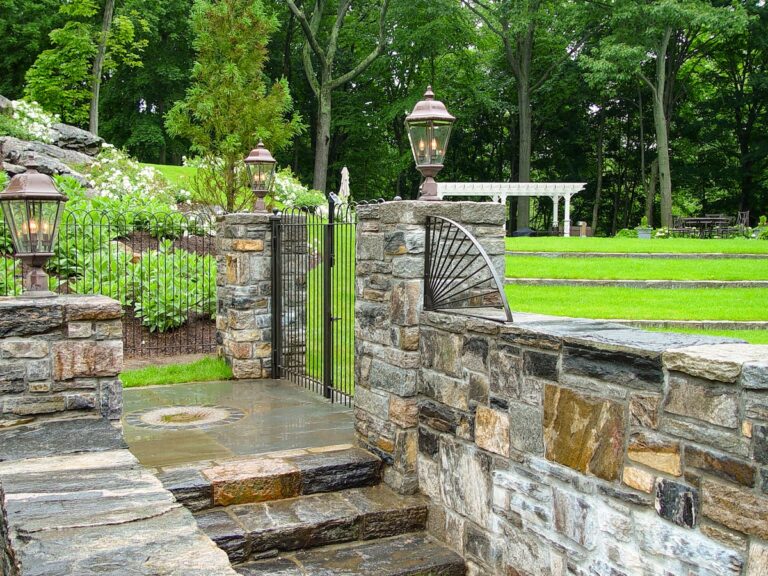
point(500, 191)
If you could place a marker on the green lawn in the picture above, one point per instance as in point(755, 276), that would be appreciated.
point(751, 336)
point(629, 245)
point(179, 175)
point(627, 303)
point(636, 268)
point(205, 370)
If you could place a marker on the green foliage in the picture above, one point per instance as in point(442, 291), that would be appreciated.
point(763, 234)
point(11, 127)
point(627, 233)
point(229, 106)
point(10, 284)
point(644, 222)
point(61, 77)
point(170, 283)
point(763, 221)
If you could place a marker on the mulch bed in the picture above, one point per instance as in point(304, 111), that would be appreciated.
point(196, 336)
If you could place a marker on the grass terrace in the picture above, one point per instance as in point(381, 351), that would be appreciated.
point(636, 245)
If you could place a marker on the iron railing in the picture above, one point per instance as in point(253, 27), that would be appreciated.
point(161, 268)
point(459, 275)
point(313, 290)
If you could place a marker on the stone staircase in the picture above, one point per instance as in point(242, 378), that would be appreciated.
point(311, 512)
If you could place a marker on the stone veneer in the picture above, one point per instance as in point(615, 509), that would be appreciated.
point(243, 322)
point(60, 356)
point(556, 446)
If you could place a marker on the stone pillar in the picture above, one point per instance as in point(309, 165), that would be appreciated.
point(555, 211)
point(567, 221)
point(60, 355)
point(243, 320)
point(389, 296)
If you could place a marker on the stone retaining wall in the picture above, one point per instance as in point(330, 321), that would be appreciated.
point(60, 356)
point(557, 446)
point(243, 322)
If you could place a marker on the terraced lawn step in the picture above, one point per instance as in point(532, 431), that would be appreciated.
point(273, 476)
point(412, 555)
point(662, 255)
point(650, 284)
point(255, 530)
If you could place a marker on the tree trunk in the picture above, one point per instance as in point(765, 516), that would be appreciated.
point(599, 187)
point(524, 157)
point(322, 139)
point(662, 136)
point(650, 192)
point(98, 65)
point(643, 179)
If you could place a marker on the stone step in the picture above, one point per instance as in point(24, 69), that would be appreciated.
point(255, 530)
point(272, 476)
point(410, 555)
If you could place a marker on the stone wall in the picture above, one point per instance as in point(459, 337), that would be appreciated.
point(389, 288)
point(556, 446)
point(60, 356)
point(243, 322)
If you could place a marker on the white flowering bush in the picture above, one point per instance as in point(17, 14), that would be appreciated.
point(34, 121)
point(291, 193)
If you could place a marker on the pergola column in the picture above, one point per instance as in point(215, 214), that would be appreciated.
point(555, 210)
point(567, 221)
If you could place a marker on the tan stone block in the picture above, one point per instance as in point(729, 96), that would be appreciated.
point(263, 350)
point(241, 245)
point(746, 429)
point(730, 539)
point(231, 264)
point(242, 369)
point(386, 445)
point(644, 410)
point(404, 411)
point(492, 430)
point(259, 480)
point(24, 348)
point(35, 405)
point(638, 479)
point(731, 469)
point(240, 350)
point(409, 338)
point(702, 402)
point(736, 508)
point(74, 359)
point(596, 426)
point(39, 387)
point(92, 308)
point(79, 329)
point(375, 295)
point(721, 362)
point(656, 452)
point(109, 330)
point(757, 564)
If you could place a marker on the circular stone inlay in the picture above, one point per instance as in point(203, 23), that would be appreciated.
point(184, 417)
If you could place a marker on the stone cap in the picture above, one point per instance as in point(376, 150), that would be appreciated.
point(20, 316)
point(723, 363)
point(416, 212)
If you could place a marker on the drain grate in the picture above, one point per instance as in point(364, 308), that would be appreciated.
point(184, 417)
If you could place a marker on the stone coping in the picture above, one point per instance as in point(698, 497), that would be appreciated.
point(95, 511)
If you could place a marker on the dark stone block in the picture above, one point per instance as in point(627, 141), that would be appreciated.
point(428, 442)
point(540, 365)
point(676, 502)
point(333, 471)
point(19, 318)
point(475, 354)
point(189, 487)
point(614, 367)
point(499, 403)
point(56, 438)
point(625, 495)
point(222, 529)
point(383, 513)
point(720, 465)
point(274, 567)
point(760, 443)
point(439, 417)
point(764, 480)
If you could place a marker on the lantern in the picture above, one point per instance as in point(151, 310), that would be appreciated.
point(32, 207)
point(261, 172)
point(429, 127)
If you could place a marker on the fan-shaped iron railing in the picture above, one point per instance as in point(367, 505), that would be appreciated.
point(458, 274)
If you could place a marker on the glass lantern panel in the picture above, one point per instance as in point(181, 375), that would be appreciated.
point(438, 142)
point(419, 137)
point(33, 224)
point(261, 175)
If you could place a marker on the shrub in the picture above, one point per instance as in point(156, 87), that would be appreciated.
point(33, 121)
point(763, 234)
point(10, 285)
point(11, 127)
point(626, 233)
point(107, 271)
point(170, 283)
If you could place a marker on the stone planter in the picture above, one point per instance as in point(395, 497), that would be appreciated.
point(644, 233)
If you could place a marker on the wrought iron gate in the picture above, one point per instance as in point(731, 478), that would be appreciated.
point(313, 297)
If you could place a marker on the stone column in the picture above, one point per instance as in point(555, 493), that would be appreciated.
point(60, 355)
point(555, 211)
point(243, 320)
point(389, 297)
point(567, 221)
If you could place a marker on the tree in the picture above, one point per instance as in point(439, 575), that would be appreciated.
point(652, 40)
point(228, 106)
point(320, 73)
point(538, 36)
point(66, 78)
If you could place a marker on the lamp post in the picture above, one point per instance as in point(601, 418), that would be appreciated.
point(261, 172)
point(429, 127)
point(32, 207)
